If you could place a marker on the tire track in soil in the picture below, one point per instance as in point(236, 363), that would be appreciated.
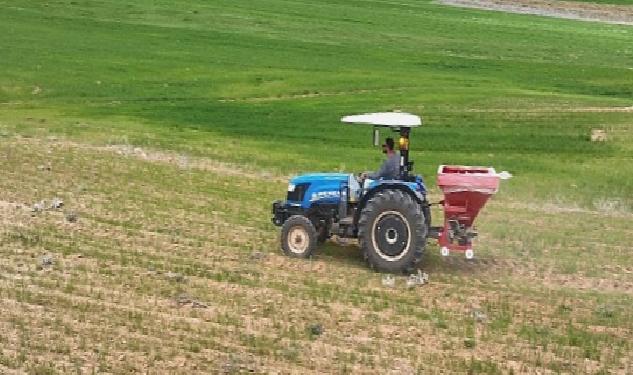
point(613, 14)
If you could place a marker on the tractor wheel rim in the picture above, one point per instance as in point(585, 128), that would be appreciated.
point(391, 235)
point(298, 240)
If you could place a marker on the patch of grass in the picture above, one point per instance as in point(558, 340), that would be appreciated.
point(590, 344)
point(536, 335)
point(503, 316)
point(476, 366)
point(233, 89)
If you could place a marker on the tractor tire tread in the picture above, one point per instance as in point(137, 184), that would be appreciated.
point(406, 205)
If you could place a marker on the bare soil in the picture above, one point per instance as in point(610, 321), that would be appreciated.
point(108, 300)
point(615, 14)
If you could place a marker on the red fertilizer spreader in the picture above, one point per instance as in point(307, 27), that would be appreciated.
point(466, 190)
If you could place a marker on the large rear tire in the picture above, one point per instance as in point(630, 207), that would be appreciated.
point(298, 237)
point(392, 232)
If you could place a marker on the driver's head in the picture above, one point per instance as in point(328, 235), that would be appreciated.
point(388, 145)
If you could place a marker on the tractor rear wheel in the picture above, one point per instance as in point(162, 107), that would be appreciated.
point(392, 232)
point(298, 237)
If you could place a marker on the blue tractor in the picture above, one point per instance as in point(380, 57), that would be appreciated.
point(390, 218)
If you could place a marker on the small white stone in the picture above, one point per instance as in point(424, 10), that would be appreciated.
point(389, 281)
point(57, 203)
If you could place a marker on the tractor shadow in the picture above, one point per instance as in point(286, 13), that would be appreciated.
point(457, 264)
point(347, 252)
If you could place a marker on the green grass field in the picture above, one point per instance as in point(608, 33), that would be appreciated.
point(169, 129)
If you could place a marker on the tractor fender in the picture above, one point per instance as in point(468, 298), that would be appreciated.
point(417, 196)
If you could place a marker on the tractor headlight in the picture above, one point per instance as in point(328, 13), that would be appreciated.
point(291, 187)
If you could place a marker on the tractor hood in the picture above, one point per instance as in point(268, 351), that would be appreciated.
point(322, 188)
point(320, 177)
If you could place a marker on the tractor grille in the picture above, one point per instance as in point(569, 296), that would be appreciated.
point(299, 192)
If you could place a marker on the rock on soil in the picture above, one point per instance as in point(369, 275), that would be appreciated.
point(39, 206)
point(417, 279)
point(57, 203)
point(184, 299)
point(478, 315)
point(174, 276)
point(46, 261)
point(388, 281)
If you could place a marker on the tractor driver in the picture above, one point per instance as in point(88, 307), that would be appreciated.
point(390, 168)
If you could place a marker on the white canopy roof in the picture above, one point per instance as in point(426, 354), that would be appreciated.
point(395, 119)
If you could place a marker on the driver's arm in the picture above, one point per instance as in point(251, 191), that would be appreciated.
point(382, 172)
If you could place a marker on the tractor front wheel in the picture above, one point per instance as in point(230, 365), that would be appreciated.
point(298, 237)
point(392, 232)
